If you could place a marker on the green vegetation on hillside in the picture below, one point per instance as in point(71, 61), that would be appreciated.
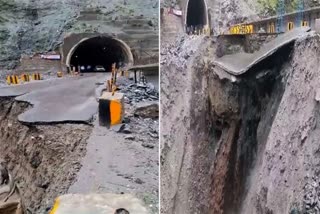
point(270, 7)
point(6, 5)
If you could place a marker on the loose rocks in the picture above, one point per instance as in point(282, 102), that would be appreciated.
point(147, 110)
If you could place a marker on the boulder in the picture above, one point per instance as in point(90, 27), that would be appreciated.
point(147, 110)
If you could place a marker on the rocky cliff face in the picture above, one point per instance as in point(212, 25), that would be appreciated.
point(30, 26)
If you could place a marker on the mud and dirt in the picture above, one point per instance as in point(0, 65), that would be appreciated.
point(43, 159)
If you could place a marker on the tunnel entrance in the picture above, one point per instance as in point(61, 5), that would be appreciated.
point(196, 15)
point(97, 54)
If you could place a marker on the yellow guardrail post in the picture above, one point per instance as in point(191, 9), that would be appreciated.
point(8, 80)
point(25, 78)
point(15, 79)
point(36, 76)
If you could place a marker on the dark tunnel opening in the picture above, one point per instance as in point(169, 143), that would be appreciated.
point(196, 14)
point(98, 54)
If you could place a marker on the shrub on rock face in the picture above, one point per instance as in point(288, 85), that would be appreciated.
point(147, 110)
point(270, 7)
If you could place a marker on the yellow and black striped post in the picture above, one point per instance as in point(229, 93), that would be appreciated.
point(8, 80)
point(111, 109)
point(36, 76)
point(13, 80)
point(25, 77)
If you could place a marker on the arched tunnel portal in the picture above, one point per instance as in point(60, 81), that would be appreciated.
point(196, 14)
point(98, 54)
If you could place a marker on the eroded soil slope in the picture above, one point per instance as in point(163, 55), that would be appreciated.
point(43, 159)
point(286, 175)
point(241, 145)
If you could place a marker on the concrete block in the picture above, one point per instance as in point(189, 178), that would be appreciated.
point(111, 109)
point(147, 110)
point(98, 204)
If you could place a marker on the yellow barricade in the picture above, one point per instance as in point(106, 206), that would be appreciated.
point(25, 78)
point(36, 76)
point(13, 79)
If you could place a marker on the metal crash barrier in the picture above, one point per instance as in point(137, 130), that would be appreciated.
point(241, 29)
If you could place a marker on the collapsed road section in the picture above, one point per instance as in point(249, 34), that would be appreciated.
point(240, 126)
point(55, 61)
point(49, 131)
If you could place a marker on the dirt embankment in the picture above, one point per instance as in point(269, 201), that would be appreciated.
point(230, 122)
point(248, 146)
point(43, 159)
point(285, 177)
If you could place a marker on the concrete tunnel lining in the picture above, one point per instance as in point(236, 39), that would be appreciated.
point(100, 50)
point(196, 13)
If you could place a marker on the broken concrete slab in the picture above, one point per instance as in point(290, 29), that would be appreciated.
point(240, 63)
point(147, 110)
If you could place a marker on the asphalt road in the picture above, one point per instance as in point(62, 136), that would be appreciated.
point(114, 164)
point(240, 63)
point(71, 99)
